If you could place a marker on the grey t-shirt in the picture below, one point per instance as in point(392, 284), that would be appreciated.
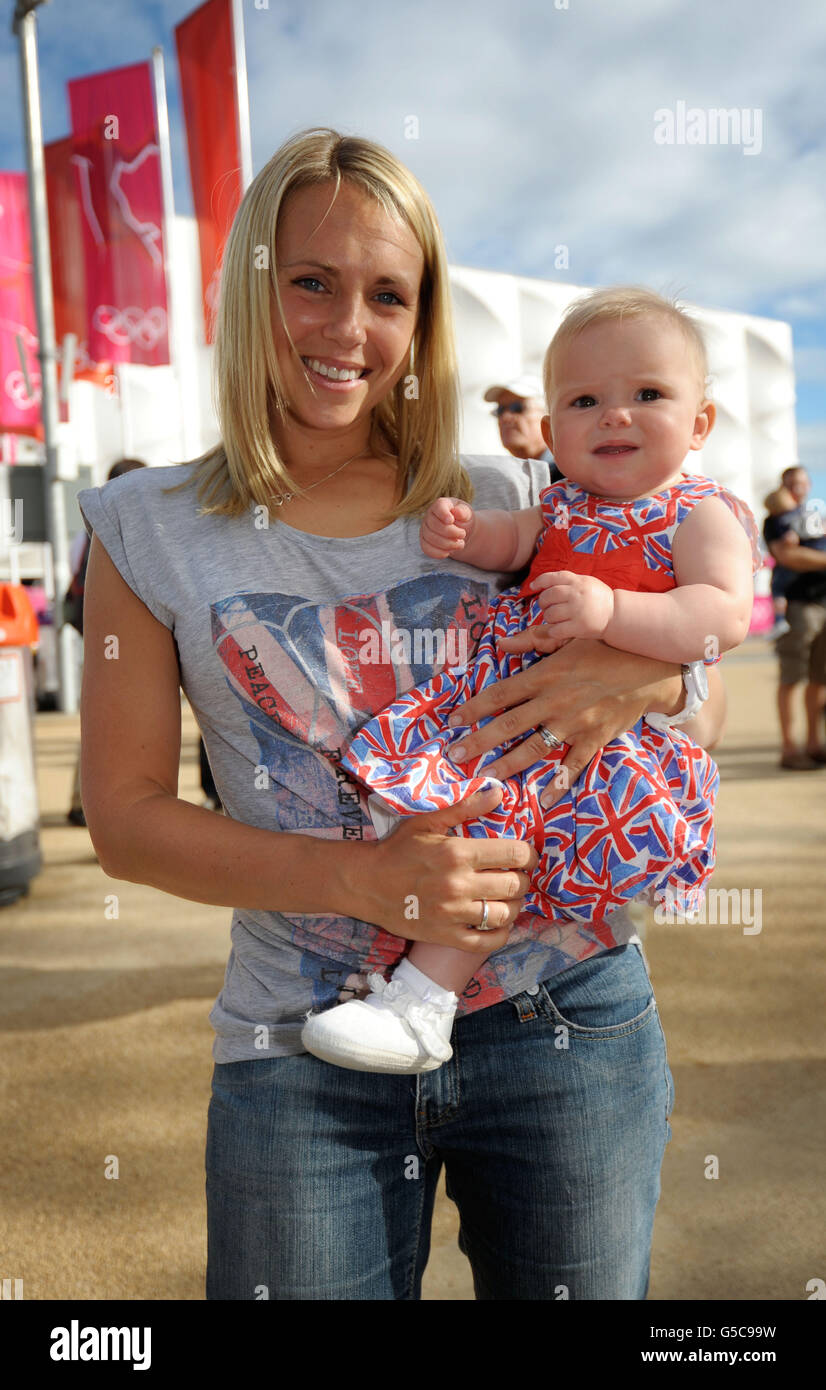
point(287, 643)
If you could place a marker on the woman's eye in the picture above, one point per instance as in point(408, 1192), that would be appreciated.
point(649, 393)
point(388, 297)
point(585, 401)
point(308, 281)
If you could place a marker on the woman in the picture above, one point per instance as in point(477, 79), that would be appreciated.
point(338, 408)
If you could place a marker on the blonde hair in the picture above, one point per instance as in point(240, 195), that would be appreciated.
point(423, 430)
point(779, 501)
point(612, 306)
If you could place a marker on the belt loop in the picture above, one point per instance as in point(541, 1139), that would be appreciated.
point(524, 1006)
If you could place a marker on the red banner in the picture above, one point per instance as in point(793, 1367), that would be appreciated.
point(206, 62)
point(118, 169)
point(19, 388)
point(68, 257)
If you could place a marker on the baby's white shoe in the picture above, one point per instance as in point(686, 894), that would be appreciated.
point(395, 1029)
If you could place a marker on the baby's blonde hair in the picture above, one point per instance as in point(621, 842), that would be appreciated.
point(612, 306)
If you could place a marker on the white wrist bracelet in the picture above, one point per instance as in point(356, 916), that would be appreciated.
point(695, 681)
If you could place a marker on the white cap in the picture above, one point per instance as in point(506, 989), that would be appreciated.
point(528, 387)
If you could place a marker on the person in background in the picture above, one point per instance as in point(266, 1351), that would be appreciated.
point(73, 612)
point(519, 407)
point(797, 542)
point(776, 503)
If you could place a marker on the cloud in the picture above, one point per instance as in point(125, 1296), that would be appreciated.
point(536, 125)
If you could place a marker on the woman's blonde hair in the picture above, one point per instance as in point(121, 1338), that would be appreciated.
point(612, 305)
point(418, 421)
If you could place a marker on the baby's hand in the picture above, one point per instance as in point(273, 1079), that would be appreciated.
point(447, 525)
point(574, 605)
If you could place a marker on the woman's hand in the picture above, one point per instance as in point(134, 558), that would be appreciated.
point(585, 694)
point(422, 883)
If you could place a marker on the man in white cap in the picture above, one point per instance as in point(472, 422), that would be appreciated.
point(519, 409)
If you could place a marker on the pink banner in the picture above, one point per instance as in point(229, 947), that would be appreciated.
point(68, 261)
point(118, 169)
point(19, 397)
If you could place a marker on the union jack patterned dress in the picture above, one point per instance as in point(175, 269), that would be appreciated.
point(639, 818)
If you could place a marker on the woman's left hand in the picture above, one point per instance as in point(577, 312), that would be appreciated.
point(585, 694)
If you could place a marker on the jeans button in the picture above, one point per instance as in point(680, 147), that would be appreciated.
point(534, 989)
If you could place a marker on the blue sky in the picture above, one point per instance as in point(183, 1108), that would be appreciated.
point(536, 125)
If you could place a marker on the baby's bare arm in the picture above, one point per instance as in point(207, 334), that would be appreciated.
point(499, 541)
point(502, 541)
point(712, 603)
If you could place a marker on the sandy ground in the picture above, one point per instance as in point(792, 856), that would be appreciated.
point(105, 1051)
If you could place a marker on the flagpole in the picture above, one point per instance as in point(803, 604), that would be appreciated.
point(25, 27)
point(242, 103)
point(176, 355)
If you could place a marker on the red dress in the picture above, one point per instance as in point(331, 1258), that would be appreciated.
point(639, 818)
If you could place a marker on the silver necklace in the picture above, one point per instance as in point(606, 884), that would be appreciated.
point(288, 497)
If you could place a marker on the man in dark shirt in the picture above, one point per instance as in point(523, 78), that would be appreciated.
point(797, 541)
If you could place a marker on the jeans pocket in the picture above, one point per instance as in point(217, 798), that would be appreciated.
point(607, 996)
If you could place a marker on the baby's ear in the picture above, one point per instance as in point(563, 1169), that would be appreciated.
point(545, 426)
point(703, 424)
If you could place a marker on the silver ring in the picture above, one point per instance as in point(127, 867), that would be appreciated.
point(550, 740)
point(483, 925)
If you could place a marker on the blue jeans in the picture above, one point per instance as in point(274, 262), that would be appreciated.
point(551, 1120)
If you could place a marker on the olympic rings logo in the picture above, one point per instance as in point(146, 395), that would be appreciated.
point(144, 328)
point(15, 388)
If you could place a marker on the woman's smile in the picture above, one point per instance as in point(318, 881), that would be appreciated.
point(348, 279)
point(334, 374)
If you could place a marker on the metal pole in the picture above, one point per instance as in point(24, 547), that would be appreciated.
point(242, 98)
point(25, 27)
point(176, 356)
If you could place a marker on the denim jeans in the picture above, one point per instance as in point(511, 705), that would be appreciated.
point(551, 1120)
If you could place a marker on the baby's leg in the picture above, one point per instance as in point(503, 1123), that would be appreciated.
point(447, 967)
point(404, 1025)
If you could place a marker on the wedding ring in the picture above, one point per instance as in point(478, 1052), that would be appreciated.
point(550, 740)
point(483, 925)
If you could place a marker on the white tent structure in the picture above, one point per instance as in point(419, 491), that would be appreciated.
point(503, 325)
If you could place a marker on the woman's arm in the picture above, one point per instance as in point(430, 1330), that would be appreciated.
point(144, 833)
point(706, 728)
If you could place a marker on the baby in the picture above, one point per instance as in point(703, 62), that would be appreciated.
point(627, 549)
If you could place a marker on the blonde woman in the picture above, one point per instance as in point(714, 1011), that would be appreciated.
point(254, 578)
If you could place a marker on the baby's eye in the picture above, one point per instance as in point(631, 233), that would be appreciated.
point(649, 393)
point(584, 401)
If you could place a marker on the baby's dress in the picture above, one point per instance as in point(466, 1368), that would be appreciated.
point(639, 818)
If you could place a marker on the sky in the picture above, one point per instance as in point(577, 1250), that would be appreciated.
point(538, 123)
